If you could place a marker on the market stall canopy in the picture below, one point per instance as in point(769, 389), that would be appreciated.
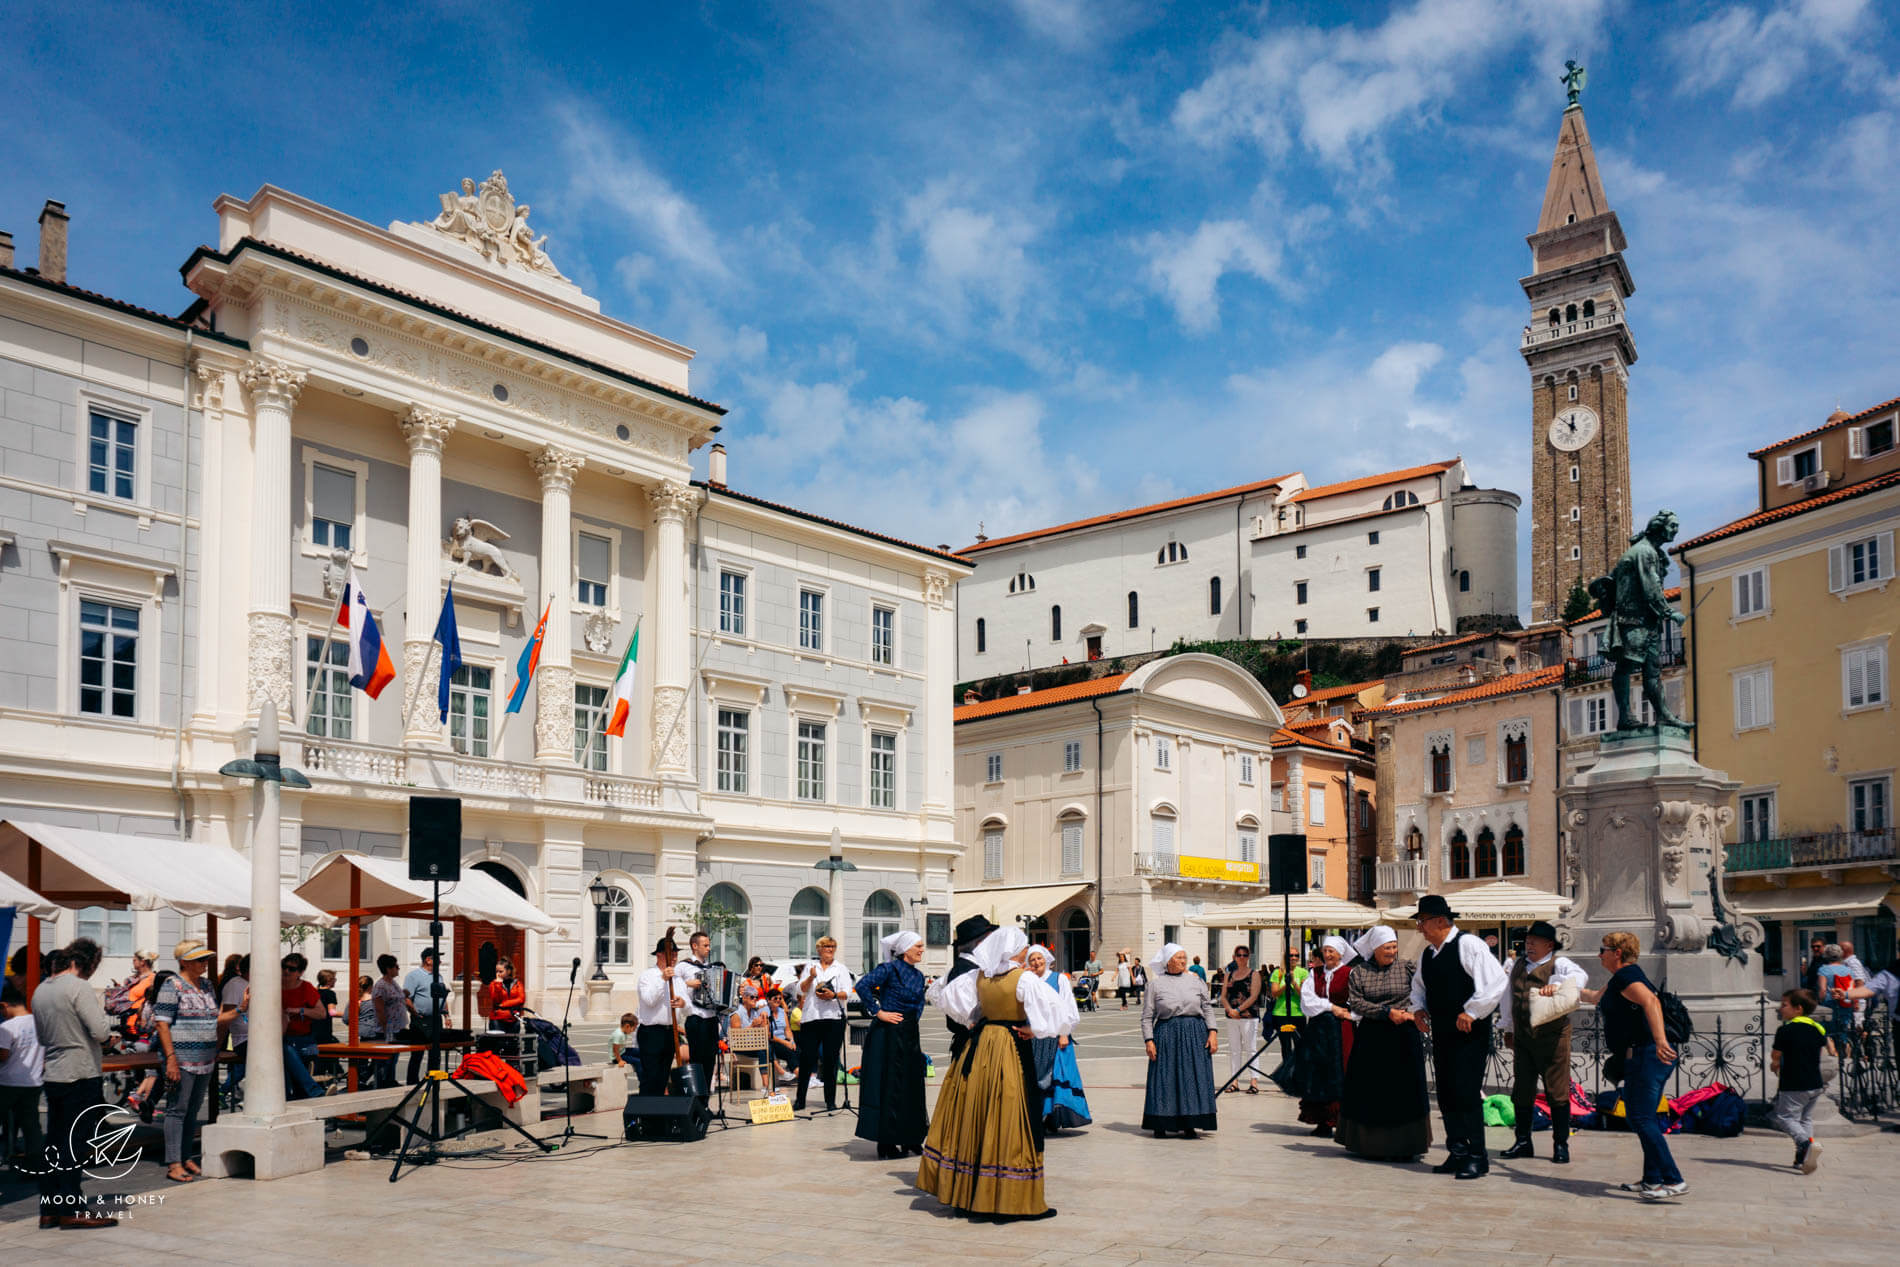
point(1304, 910)
point(25, 900)
point(1005, 906)
point(80, 868)
point(1500, 902)
point(1820, 899)
point(384, 883)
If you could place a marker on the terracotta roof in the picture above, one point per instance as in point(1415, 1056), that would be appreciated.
point(1673, 593)
point(829, 523)
point(1511, 684)
point(1094, 521)
point(1374, 481)
point(118, 305)
point(1039, 699)
point(1314, 723)
point(1286, 737)
point(1834, 419)
point(1455, 642)
point(1847, 493)
point(1334, 692)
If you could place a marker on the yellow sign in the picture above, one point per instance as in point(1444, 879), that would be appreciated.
point(773, 1108)
point(1218, 869)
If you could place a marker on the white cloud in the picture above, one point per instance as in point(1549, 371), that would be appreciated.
point(972, 256)
point(1187, 267)
point(604, 167)
point(1764, 53)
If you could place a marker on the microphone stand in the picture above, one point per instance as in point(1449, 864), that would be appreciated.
point(567, 1085)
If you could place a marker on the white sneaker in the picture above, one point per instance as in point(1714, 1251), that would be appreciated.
point(816, 1084)
point(1662, 1190)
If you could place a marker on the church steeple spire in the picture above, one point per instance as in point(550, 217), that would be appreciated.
point(1575, 190)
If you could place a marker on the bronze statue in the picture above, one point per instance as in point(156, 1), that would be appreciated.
point(1573, 78)
point(1632, 597)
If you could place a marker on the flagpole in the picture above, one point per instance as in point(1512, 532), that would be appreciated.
point(316, 679)
point(410, 701)
point(495, 747)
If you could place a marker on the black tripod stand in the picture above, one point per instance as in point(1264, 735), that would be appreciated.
point(567, 1083)
point(426, 1095)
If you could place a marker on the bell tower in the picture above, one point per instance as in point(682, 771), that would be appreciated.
point(1578, 349)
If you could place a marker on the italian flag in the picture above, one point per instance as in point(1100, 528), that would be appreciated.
point(623, 687)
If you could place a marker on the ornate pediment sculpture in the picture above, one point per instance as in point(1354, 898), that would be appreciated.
point(494, 224)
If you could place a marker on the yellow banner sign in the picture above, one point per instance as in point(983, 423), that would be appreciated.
point(1219, 869)
point(773, 1108)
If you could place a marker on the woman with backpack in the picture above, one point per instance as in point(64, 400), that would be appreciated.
point(1641, 1057)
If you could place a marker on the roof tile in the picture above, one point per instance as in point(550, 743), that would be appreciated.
point(1373, 481)
point(1511, 684)
point(1756, 520)
point(1116, 516)
point(1835, 420)
point(1040, 699)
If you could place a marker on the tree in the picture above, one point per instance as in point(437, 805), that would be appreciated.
point(1579, 604)
point(712, 918)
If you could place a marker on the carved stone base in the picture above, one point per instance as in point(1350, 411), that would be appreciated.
point(269, 676)
point(424, 725)
point(669, 729)
point(554, 713)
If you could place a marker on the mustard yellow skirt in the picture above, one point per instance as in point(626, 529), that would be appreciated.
point(981, 1153)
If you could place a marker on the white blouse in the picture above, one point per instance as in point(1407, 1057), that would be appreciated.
point(813, 1008)
point(958, 999)
point(1313, 1000)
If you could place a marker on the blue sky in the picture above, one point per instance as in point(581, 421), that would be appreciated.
point(1019, 260)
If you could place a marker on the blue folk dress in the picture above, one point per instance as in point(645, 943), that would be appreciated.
point(1064, 1107)
point(891, 1080)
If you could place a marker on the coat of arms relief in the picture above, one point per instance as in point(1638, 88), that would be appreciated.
point(495, 225)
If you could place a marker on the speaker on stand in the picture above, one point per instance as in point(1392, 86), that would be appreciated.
point(435, 838)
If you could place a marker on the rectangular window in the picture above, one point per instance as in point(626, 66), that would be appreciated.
point(113, 930)
point(883, 635)
point(1299, 592)
point(1277, 794)
point(1365, 810)
point(1372, 538)
point(332, 507)
point(1163, 833)
point(883, 770)
point(1517, 760)
point(1072, 756)
point(327, 670)
point(334, 943)
point(1299, 626)
point(112, 457)
point(1864, 562)
point(1751, 592)
point(1596, 715)
point(734, 734)
point(993, 853)
point(811, 620)
point(732, 603)
point(1164, 753)
point(1864, 677)
point(1868, 801)
point(1807, 462)
point(1249, 845)
point(1372, 579)
point(1754, 699)
point(1372, 615)
point(1316, 805)
point(1071, 846)
point(811, 761)
point(1299, 552)
point(1758, 816)
point(593, 560)
point(1441, 768)
point(1246, 767)
point(590, 726)
point(1876, 438)
point(1319, 873)
point(471, 704)
point(993, 768)
point(108, 659)
point(1576, 474)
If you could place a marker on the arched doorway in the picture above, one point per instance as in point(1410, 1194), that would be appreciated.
point(482, 945)
point(1075, 940)
point(883, 915)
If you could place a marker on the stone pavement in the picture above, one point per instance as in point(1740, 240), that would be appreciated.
point(1258, 1190)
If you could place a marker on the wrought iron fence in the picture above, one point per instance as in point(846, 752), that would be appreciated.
point(1812, 849)
point(1869, 1084)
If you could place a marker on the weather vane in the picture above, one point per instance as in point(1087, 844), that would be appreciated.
point(1573, 80)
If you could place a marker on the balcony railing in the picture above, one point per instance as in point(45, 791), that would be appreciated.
point(499, 778)
point(1813, 849)
point(615, 793)
point(1546, 333)
point(1600, 668)
point(1406, 875)
point(356, 763)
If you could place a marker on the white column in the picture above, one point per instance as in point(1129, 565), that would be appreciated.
point(673, 504)
point(554, 702)
point(940, 677)
point(264, 1070)
point(426, 430)
point(274, 388)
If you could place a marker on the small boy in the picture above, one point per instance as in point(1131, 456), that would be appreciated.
point(22, 1064)
point(1797, 1059)
point(623, 1038)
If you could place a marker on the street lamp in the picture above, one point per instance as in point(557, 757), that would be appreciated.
point(835, 866)
point(601, 894)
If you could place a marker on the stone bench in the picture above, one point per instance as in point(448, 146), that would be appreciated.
point(604, 1084)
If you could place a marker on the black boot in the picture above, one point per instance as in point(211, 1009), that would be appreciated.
point(1476, 1165)
point(1454, 1153)
point(1560, 1135)
point(1522, 1148)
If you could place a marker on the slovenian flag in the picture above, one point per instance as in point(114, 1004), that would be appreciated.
point(623, 687)
point(449, 638)
point(370, 669)
point(529, 661)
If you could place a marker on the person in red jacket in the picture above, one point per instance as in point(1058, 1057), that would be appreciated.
point(507, 998)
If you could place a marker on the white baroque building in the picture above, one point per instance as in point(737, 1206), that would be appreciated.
point(1407, 552)
point(428, 403)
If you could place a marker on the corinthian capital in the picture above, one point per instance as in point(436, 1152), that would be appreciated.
point(557, 467)
point(272, 383)
point(426, 429)
point(672, 501)
point(935, 585)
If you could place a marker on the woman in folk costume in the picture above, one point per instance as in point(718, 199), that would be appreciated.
point(891, 1097)
point(1057, 1074)
point(1327, 1044)
point(1177, 1022)
point(1385, 1113)
point(983, 1155)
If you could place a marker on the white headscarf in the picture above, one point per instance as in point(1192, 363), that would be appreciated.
point(1158, 962)
point(994, 955)
point(899, 943)
point(1344, 947)
point(1373, 938)
point(1048, 959)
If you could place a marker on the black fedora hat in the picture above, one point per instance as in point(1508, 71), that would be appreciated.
point(1432, 904)
point(1542, 928)
point(971, 929)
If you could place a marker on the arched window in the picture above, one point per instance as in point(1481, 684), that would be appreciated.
point(1213, 595)
point(1404, 497)
point(734, 909)
point(1055, 623)
point(1513, 850)
point(1460, 856)
point(1555, 316)
point(616, 927)
point(1071, 829)
point(1163, 828)
point(1570, 312)
point(1075, 940)
point(1441, 766)
point(1134, 610)
point(1589, 307)
point(883, 915)
point(1414, 845)
point(982, 638)
point(1464, 582)
point(1487, 852)
point(1022, 583)
point(811, 919)
point(1173, 552)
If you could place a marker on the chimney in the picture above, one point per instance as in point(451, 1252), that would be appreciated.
point(53, 241)
point(1305, 678)
point(971, 697)
point(716, 466)
point(1024, 690)
point(6, 249)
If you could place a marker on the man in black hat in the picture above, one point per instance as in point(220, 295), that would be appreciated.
point(1459, 984)
point(1544, 1052)
point(970, 932)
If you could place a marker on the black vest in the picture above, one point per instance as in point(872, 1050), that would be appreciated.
point(1448, 987)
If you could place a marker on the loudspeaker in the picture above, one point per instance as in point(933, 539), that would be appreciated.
point(680, 1119)
point(435, 838)
point(1286, 863)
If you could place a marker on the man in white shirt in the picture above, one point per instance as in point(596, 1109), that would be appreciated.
point(1542, 1053)
point(819, 993)
point(1459, 985)
point(661, 991)
point(702, 1023)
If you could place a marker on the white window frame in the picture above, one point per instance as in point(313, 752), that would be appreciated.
point(1784, 464)
point(1246, 769)
point(1576, 552)
point(823, 595)
point(612, 536)
point(105, 576)
point(1316, 804)
point(1247, 840)
point(992, 851)
point(871, 649)
point(1761, 701)
point(1870, 655)
point(802, 776)
point(312, 457)
point(1317, 865)
point(1840, 580)
point(1515, 728)
point(1072, 756)
point(597, 742)
point(1069, 835)
point(1433, 742)
point(732, 766)
point(871, 798)
point(1162, 838)
point(90, 400)
point(1748, 594)
point(992, 768)
point(744, 577)
point(1576, 474)
point(1882, 779)
point(334, 666)
point(1164, 753)
point(141, 652)
point(1756, 797)
point(1600, 706)
point(493, 668)
point(1857, 438)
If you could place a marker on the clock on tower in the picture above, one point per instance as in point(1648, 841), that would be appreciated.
point(1578, 349)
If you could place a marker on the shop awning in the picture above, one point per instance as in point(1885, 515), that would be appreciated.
point(79, 868)
point(1305, 910)
point(1820, 899)
point(1500, 902)
point(1005, 906)
point(383, 886)
point(25, 900)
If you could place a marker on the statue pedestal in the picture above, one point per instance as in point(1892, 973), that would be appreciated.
point(599, 1000)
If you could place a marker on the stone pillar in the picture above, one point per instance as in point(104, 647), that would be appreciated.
point(940, 672)
point(673, 504)
point(554, 681)
point(1295, 791)
point(426, 430)
point(274, 388)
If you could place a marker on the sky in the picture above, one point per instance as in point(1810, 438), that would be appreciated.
point(1010, 262)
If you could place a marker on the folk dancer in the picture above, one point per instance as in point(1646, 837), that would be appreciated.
point(1327, 1044)
point(1178, 1029)
point(1542, 1053)
point(662, 991)
point(891, 1092)
point(1058, 1076)
point(1385, 1112)
point(969, 934)
point(1458, 986)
